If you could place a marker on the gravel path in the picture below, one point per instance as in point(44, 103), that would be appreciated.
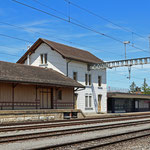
point(31, 144)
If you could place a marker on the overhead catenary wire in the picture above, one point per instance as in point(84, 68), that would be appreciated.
point(40, 33)
point(82, 26)
point(2, 53)
point(105, 19)
point(12, 37)
point(123, 75)
point(8, 47)
point(89, 28)
point(15, 38)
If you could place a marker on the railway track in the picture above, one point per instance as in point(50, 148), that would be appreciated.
point(79, 130)
point(99, 142)
point(77, 119)
point(69, 123)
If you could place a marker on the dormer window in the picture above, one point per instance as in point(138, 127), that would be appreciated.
point(43, 58)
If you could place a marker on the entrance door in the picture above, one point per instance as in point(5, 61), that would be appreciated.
point(75, 101)
point(45, 98)
point(99, 103)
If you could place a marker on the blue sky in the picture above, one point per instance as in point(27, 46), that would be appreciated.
point(133, 15)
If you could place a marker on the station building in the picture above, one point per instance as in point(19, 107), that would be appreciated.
point(51, 75)
point(127, 102)
point(74, 63)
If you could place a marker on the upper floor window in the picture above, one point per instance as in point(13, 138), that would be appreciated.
point(75, 76)
point(99, 80)
point(88, 79)
point(43, 58)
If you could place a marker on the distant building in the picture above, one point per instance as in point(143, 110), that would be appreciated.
point(74, 63)
point(127, 102)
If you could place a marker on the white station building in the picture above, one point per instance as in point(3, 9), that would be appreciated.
point(74, 63)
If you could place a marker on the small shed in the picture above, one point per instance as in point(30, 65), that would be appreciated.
point(127, 102)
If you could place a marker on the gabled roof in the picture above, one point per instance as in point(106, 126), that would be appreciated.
point(11, 72)
point(64, 50)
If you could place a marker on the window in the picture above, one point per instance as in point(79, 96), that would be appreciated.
point(75, 76)
point(88, 79)
point(99, 80)
point(59, 95)
point(43, 58)
point(88, 101)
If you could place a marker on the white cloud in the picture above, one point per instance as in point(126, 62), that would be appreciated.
point(37, 23)
point(111, 26)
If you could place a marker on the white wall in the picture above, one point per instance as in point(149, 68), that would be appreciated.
point(58, 63)
point(81, 69)
point(55, 60)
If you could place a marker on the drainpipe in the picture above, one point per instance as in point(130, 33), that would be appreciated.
point(67, 67)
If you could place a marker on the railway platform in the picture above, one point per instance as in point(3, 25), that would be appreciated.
point(15, 116)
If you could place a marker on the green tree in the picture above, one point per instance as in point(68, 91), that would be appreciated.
point(145, 87)
point(147, 91)
point(133, 87)
point(137, 89)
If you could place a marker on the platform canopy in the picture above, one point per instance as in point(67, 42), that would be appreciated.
point(18, 73)
point(127, 95)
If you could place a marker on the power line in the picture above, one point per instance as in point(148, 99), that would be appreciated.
point(137, 78)
point(14, 55)
point(11, 47)
point(105, 19)
point(88, 28)
point(1, 53)
point(26, 29)
point(81, 26)
point(123, 75)
point(12, 37)
point(50, 8)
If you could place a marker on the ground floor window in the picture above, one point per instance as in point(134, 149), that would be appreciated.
point(88, 101)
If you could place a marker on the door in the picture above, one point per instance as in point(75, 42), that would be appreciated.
point(45, 98)
point(99, 102)
point(75, 101)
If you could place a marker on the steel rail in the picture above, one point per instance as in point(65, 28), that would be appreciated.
point(29, 136)
point(94, 139)
point(70, 123)
point(115, 142)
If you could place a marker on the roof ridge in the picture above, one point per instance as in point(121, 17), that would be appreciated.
point(67, 45)
point(66, 51)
